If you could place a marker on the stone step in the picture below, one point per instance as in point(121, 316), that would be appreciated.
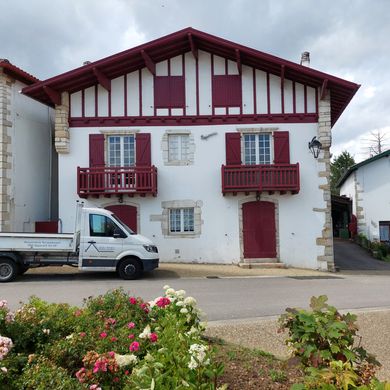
point(261, 265)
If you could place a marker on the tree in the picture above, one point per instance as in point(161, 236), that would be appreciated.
point(376, 143)
point(338, 167)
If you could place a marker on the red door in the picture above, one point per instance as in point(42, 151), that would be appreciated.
point(127, 214)
point(259, 230)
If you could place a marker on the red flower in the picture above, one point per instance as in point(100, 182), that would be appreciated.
point(133, 300)
point(82, 334)
point(163, 301)
point(130, 336)
point(131, 325)
point(144, 307)
point(114, 339)
point(103, 335)
point(134, 346)
point(153, 337)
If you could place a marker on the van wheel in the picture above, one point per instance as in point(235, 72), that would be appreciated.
point(129, 269)
point(8, 270)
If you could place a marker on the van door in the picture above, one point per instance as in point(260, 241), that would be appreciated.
point(99, 246)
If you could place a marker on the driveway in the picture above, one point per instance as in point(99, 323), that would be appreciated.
point(349, 256)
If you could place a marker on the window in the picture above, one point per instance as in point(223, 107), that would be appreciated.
point(181, 220)
point(102, 226)
point(121, 151)
point(384, 231)
point(178, 147)
point(257, 149)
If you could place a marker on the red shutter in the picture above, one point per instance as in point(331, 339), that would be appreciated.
point(233, 148)
point(96, 150)
point(161, 92)
point(227, 91)
point(142, 150)
point(177, 91)
point(281, 147)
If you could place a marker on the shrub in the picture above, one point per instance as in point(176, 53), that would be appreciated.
point(115, 341)
point(323, 336)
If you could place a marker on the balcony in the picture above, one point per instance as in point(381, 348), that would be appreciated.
point(109, 181)
point(260, 178)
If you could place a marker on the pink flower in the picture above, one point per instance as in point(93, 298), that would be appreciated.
point(163, 301)
point(153, 337)
point(111, 354)
point(134, 346)
point(82, 334)
point(127, 372)
point(114, 339)
point(103, 335)
point(133, 300)
point(116, 379)
point(130, 336)
point(131, 325)
point(80, 375)
point(100, 365)
point(95, 387)
point(144, 307)
point(78, 313)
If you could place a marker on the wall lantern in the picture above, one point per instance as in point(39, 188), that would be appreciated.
point(315, 146)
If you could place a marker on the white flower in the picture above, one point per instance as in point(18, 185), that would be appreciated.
point(3, 303)
point(190, 301)
point(180, 293)
point(179, 303)
point(125, 360)
point(46, 331)
point(183, 310)
point(192, 364)
point(198, 355)
point(4, 369)
point(148, 357)
point(145, 333)
point(170, 291)
point(69, 337)
point(152, 304)
point(166, 287)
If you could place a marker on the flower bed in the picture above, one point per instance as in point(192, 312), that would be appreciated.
point(115, 341)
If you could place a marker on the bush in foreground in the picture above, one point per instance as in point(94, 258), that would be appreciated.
point(115, 341)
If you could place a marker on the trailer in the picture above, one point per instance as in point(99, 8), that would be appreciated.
point(100, 242)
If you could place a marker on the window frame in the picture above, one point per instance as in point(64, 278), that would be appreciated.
point(181, 213)
point(257, 155)
point(115, 227)
point(122, 157)
point(182, 151)
point(383, 224)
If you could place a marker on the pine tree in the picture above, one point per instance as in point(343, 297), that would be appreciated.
point(338, 167)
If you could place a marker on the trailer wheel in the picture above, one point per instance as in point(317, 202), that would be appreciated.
point(8, 270)
point(129, 269)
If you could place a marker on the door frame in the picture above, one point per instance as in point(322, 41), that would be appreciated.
point(263, 198)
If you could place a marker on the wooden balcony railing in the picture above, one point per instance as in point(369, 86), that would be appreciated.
point(260, 178)
point(116, 180)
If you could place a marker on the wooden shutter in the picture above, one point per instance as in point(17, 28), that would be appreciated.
point(281, 147)
point(169, 92)
point(227, 91)
point(177, 91)
point(233, 148)
point(96, 150)
point(142, 150)
point(161, 92)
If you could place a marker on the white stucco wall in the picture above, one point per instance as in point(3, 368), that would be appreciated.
point(373, 180)
point(219, 241)
point(31, 161)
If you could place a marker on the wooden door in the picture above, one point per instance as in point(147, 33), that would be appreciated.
point(259, 230)
point(127, 214)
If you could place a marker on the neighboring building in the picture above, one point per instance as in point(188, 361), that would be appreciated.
point(25, 154)
point(202, 145)
point(368, 185)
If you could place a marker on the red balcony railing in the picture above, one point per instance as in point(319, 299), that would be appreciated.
point(260, 178)
point(116, 180)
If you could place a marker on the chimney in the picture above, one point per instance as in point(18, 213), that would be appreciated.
point(86, 62)
point(305, 59)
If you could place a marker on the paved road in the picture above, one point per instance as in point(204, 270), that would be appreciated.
point(220, 299)
point(351, 257)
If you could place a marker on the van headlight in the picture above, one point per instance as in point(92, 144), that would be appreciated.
point(151, 248)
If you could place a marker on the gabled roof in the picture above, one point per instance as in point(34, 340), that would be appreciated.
point(361, 164)
point(17, 73)
point(183, 41)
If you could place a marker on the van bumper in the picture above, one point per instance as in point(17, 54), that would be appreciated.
point(150, 264)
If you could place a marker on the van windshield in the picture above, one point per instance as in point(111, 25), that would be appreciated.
point(121, 223)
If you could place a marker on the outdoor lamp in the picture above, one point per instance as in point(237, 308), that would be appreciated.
point(315, 147)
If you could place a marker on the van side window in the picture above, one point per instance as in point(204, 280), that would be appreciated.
point(101, 226)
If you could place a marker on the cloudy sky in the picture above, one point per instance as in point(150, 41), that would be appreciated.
point(346, 38)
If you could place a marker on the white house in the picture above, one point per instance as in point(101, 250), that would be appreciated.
point(202, 145)
point(368, 185)
point(26, 127)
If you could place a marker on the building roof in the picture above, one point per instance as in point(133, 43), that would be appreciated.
point(189, 39)
point(357, 166)
point(17, 73)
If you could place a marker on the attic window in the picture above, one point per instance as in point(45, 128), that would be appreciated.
point(169, 92)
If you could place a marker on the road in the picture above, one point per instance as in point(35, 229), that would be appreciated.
point(219, 299)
